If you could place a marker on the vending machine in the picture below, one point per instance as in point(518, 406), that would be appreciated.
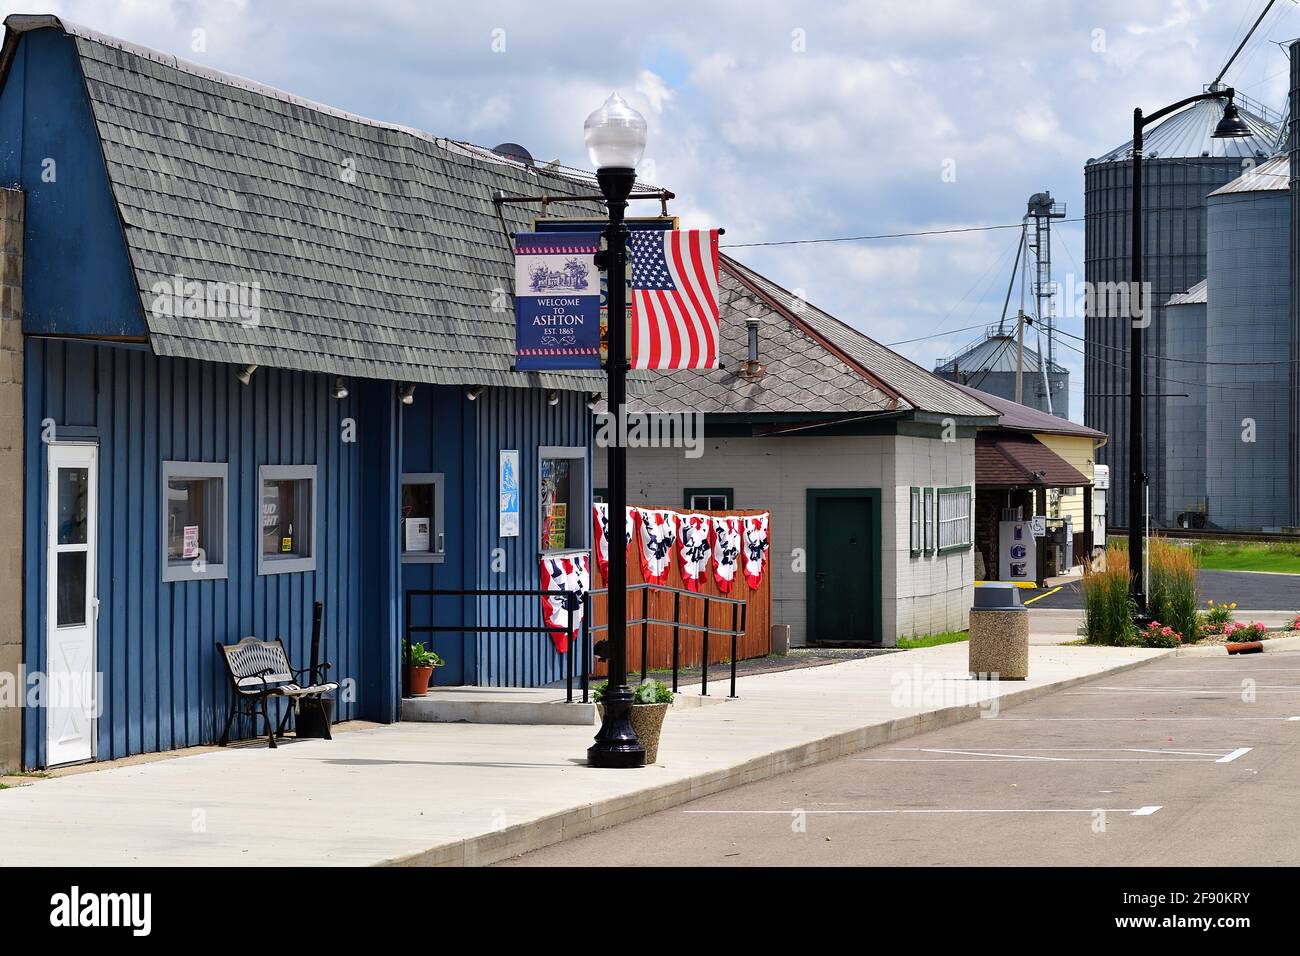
point(1017, 551)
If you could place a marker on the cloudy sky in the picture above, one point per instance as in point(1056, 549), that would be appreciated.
point(775, 120)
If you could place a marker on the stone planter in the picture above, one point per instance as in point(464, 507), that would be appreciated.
point(647, 724)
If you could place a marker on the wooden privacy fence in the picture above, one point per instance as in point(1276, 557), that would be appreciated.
point(756, 641)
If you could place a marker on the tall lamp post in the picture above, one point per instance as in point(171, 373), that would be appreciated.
point(1231, 126)
point(615, 136)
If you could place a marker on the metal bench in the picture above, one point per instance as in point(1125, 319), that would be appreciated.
point(259, 671)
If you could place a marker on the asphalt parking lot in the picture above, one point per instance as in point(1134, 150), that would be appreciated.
point(1252, 591)
point(1184, 761)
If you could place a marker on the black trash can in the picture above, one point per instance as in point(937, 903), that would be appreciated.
point(314, 718)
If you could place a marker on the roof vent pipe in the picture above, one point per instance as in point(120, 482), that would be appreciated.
point(753, 369)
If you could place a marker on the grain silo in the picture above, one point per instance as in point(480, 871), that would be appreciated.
point(1184, 455)
point(1247, 345)
point(990, 366)
point(1183, 165)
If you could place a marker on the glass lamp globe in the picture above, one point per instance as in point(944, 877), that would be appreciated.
point(615, 135)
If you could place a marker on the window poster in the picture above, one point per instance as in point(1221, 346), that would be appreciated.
point(417, 534)
point(508, 482)
point(190, 547)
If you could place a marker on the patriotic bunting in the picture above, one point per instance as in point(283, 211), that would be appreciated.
point(600, 522)
point(756, 545)
point(693, 549)
point(726, 549)
point(566, 573)
point(658, 534)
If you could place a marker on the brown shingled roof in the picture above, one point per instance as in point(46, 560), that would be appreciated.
point(1010, 460)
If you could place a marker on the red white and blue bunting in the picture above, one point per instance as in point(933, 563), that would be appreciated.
point(571, 573)
point(693, 537)
point(600, 522)
point(658, 529)
point(726, 550)
point(756, 546)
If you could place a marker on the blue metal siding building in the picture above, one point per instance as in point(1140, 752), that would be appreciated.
point(391, 284)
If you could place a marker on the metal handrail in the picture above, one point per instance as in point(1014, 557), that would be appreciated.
point(739, 613)
point(570, 606)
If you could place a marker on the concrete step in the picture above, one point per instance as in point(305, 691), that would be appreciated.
point(498, 705)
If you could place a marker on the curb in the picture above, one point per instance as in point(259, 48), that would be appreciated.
point(512, 841)
point(1217, 650)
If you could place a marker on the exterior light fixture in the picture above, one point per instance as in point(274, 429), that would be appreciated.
point(552, 397)
point(407, 395)
point(615, 135)
point(245, 374)
point(1232, 126)
point(474, 392)
point(593, 399)
point(340, 389)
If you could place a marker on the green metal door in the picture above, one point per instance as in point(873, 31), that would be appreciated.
point(844, 603)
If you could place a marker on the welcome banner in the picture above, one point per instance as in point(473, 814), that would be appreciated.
point(557, 301)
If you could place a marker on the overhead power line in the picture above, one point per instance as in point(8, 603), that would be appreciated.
point(886, 235)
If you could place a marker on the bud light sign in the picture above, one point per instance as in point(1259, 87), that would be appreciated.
point(557, 301)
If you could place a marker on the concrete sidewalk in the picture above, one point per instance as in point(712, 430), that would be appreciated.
point(424, 793)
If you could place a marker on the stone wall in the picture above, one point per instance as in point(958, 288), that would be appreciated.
point(11, 475)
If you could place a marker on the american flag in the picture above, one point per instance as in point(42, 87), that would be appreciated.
point(674, 298)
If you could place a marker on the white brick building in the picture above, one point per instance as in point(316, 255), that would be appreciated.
point(845, 442)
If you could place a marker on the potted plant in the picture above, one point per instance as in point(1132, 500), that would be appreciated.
point(1244, 638)
point(650, 702)
point(420, 664)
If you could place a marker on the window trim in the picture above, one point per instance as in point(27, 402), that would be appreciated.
point(970, 519)
point(728, 493)
point(928, 514)
point(267, 473)
point(571, 452)
point(195, 471)
point(915, 521)
point(438, 532)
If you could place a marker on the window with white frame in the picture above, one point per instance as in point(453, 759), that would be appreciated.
point(422, 535)
point(286, 519)
point(914, 521)
point(562, 496)
point(194, 520)
point(954, 518)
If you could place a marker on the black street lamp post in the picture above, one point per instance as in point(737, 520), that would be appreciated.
point(615, 136)
point(1231, 126)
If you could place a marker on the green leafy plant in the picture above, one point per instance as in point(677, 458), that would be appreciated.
point(1241, 633)
point(1108, 606)
point(421, 656)
point(649, 691)
point(1216, 618)
point(1159, 635)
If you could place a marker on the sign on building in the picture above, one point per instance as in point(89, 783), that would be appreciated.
point(557, 301)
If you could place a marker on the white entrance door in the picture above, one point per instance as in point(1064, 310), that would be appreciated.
point(71, 605)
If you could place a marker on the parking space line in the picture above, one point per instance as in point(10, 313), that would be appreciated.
point(1229, 758)
point(1002, 720)
point(1019, 755)
point(1041, 596)
point(1131, 811)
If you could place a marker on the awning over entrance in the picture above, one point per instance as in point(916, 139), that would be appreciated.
point(1009, 460)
